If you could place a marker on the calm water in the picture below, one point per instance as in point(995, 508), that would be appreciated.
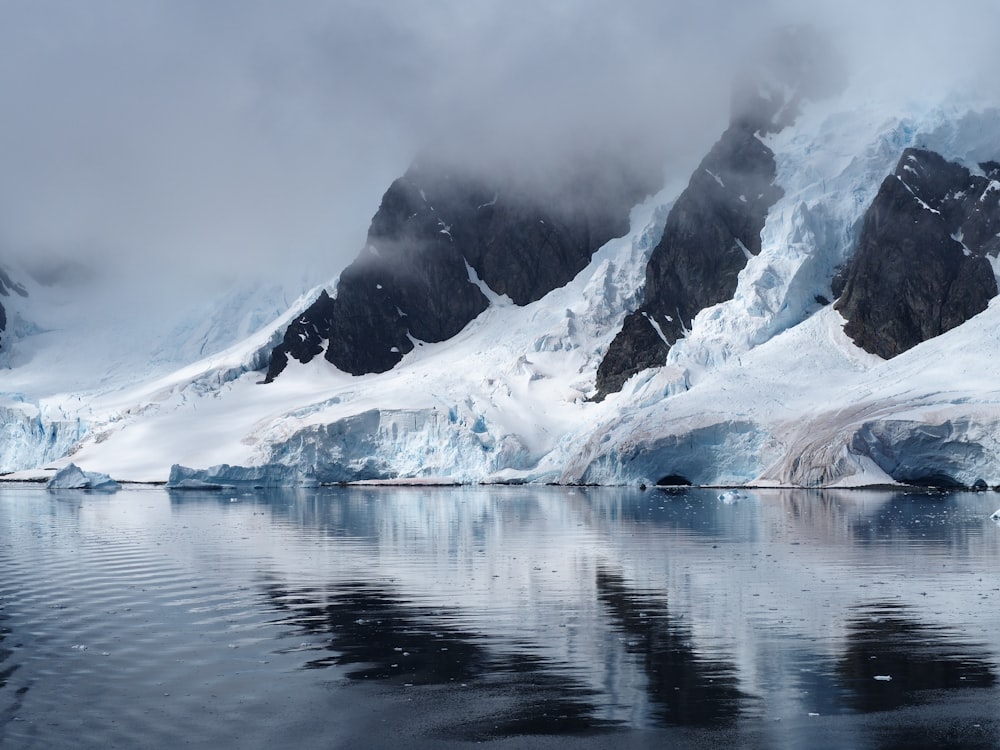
point(552, 617)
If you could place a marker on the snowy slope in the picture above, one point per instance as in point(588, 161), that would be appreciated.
point(491, 402)
point(70, 347)
point(765, 388)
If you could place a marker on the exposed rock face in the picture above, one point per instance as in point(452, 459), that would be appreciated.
point(711, 232)
point(7, 285)
point(921, 264)
point(436, 238)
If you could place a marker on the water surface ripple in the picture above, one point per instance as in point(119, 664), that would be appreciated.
point(522, 616)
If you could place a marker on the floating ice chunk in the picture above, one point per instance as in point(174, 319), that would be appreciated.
point(730, 497)
point(226, 477)
point(72, 477)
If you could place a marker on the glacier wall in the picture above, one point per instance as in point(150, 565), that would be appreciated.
point(958, 449)
point(30, 437)
point(727, 452)
point(391, 443)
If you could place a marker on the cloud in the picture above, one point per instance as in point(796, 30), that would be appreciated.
point(179, 137)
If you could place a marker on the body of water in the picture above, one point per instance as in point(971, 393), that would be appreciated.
point(515, 616)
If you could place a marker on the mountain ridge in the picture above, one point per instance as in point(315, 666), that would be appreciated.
point(764, 387)
point(437, 237)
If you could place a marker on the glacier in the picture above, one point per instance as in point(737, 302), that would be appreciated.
point(764, 389)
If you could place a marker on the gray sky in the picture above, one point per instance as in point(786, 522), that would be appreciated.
point(167, 135)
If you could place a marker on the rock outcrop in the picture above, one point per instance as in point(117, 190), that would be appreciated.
point(711, 232)
point(715, 225)
point(438, 237)
point(921, 266)
point(7, 285)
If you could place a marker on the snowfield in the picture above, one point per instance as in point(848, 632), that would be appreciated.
point(764, 390)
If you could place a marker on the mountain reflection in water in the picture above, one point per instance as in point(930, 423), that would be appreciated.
point(686, 688)
point(458, 615)
point(379, 637)
point(383, 634)
point(892, 659)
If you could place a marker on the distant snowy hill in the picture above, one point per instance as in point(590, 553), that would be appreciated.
point(829, 221)
point(74, 338)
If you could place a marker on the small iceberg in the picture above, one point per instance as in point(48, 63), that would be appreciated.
point(72, 477)
point(731, 497)
point(226, 477)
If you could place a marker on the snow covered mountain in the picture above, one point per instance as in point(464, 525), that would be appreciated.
point(814, 306)
point(74, 337)
point(442, 241)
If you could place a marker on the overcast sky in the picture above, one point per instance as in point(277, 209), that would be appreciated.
point(178, 134)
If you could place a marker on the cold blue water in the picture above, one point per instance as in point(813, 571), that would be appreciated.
point(513, 616)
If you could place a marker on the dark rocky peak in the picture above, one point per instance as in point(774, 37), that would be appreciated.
point(967, 203)
point(991, 169)
point(710, 233)
point(439, 234)
point(306, 336)
point(920, 267)
point(931, 178)
point(714, 227)
point(8, 286)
